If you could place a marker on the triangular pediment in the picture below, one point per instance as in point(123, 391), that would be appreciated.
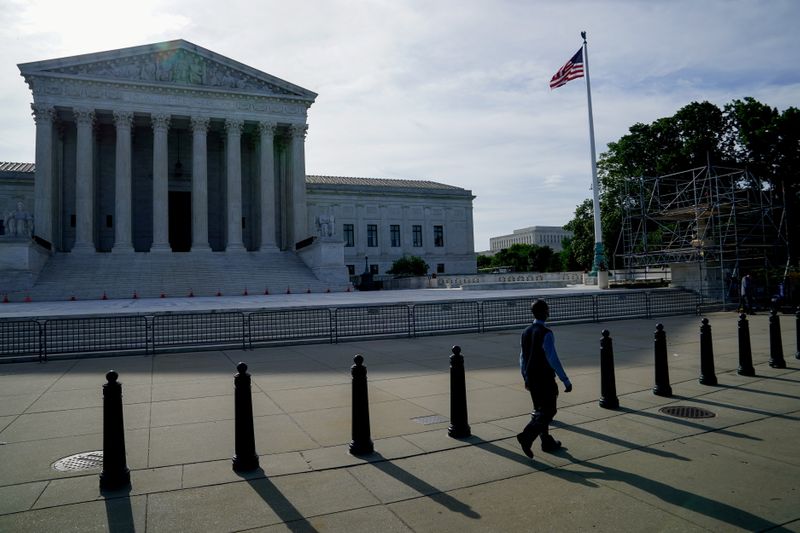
point(174, 63)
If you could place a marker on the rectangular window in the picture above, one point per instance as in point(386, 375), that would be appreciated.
point(438, 235)
point(349, 235)
point(395, 231)
point(351, 270)
point(417, 233)
point(372, 235)
point(373, 269)
point(440, 268)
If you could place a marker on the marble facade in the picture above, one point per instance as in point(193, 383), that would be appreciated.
point(166, 147)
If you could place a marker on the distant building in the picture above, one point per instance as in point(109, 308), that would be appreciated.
point(539, 235)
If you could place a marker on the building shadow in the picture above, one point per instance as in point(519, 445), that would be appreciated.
point(274, 498)
point(735, 517)
point(119, 513)
point(423, 487)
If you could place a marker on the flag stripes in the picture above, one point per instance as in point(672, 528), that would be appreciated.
point(571, 70)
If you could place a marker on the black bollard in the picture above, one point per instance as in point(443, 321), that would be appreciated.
point(707, 375)
point(245, 457)
point(115, 474)
point(662, 387)
point(608, 385)
point(745, 353)
point(797, 328)
point(361, 443)
point(459, 426)
point(776, 359)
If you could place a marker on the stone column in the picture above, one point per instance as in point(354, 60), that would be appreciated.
point(44, 187)
point(234, 156)
point(299, 214)
point(199, 185)
point(160, 123)
point(267, 185)
point(84, 181)
point(123, 120)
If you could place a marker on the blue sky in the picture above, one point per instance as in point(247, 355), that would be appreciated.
point(453, 91)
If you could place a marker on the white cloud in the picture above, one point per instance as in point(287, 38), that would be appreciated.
point(454, 91)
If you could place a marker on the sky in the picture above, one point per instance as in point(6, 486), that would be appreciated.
point(454, 91)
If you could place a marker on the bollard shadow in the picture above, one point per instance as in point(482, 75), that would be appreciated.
point(767, 393)
point(681, 498)
point(738, 408)
point(776, 378)
point(423, 487)
point(274, 498)
point(119, 513)
point(687, 423)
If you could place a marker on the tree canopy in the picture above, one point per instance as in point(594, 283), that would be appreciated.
point(743, 134)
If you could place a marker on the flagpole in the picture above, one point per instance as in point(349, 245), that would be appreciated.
point(599, 254)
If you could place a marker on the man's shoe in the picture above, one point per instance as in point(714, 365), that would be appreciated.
point(525, 445)
point(549, 444)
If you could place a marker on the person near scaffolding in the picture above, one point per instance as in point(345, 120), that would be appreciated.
point(746, 295)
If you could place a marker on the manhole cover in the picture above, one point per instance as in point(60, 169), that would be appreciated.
point(428, 420)
point(684, 411)
point(80, 461)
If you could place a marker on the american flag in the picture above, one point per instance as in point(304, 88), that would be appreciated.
point(573, 69)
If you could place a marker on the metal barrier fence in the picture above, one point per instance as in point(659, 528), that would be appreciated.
point(30, 339)
point(309, 325)
point(216, 329)
point(95, 334)
point(20, 338)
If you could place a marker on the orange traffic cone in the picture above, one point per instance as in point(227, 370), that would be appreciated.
point(163, 295)
point(5, 298)
point(28, 298)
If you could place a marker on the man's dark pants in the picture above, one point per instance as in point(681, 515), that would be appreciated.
point(544, 396)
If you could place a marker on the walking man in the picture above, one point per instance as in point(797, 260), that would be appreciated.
point(746, 295)
point(539, 365)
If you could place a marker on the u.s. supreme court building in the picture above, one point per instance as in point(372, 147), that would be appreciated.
point(166, 154)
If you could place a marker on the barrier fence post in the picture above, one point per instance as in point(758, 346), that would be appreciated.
point(115, 474)
point(245, 457)
point(662, 387)
point(608, 384)
point(745, 353)
point(776, 359)
point(361, 443)
point(707, 375)
point(459, 426)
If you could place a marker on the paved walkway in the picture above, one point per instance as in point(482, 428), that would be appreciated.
point(634, 468)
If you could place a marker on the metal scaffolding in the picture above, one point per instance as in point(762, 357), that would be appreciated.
point(721, 218)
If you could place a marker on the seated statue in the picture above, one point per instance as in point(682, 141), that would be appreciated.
point(325, 225)
point(19, 223)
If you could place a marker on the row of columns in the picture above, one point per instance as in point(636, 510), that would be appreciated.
point(123, 231)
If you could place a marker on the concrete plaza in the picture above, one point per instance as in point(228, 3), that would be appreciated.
point(633, 468)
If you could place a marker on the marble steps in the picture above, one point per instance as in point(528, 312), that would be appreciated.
point(175, 275)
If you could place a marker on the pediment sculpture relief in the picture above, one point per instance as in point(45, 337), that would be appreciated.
point(174, 66)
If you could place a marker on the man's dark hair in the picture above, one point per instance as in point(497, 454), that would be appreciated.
point(539, 309)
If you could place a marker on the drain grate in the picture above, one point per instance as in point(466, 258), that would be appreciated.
point(428, 420)
point(80, 461)
point(685, 411)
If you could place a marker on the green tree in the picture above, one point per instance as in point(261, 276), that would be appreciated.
point(484, 261)
point(407, 266)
